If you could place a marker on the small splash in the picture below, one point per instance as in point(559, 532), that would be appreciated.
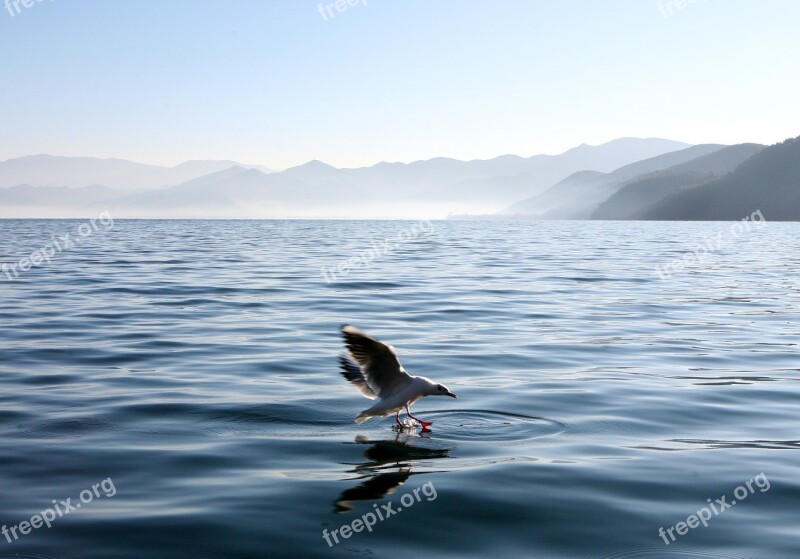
point(407, 425)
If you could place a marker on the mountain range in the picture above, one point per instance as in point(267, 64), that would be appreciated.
point(577, 196)
point(49, 170)
point(628, 178)
point(703, 182)
point(29, 186)
point(768, 181)
point(633, 199)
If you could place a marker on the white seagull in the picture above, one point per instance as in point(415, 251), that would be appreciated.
point(373, 368)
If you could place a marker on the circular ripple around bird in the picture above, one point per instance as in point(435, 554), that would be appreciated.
point(487, 425)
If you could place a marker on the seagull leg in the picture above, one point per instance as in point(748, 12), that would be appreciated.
point(425, 424)
point(397, 418)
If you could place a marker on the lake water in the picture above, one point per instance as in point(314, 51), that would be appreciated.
point(178, 380)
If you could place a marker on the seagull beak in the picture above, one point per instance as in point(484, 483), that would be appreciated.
point(452, 395)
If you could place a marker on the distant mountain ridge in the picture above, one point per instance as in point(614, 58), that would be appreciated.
point(433, 187)
point(579, 195)
point(643, 191)
point(768, 181)
point(627, 178)
point(726, 183)
point(73, 172)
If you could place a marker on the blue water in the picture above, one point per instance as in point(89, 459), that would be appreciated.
point(192, 365)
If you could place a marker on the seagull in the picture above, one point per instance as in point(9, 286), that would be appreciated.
point(373, 369)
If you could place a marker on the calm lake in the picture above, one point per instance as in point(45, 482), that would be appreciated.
point(170, 389)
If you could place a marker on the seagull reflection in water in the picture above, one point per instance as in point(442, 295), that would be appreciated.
point(389, 465)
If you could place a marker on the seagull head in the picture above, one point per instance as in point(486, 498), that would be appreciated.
point(440, 390)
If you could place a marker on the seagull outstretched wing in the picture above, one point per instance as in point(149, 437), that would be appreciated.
point(382, 372)
point(352, 372)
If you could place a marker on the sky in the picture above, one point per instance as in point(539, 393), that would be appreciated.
point(282, 82)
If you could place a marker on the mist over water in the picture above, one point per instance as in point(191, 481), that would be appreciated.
point(194, 364)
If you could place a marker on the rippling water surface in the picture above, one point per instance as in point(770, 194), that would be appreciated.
point(194, 364)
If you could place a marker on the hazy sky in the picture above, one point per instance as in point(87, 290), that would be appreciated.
point(276, 83)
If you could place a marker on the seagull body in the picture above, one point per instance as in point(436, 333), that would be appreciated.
point(373, 369)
